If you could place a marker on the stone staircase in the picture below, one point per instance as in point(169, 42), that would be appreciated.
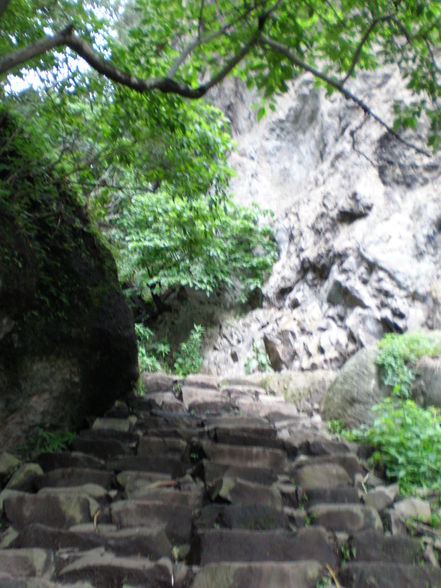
point(200, 485)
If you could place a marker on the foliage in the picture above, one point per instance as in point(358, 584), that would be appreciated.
point(188, 360)
point(258, 360)
point(155, 356)
point(398, 355)
point(167, 242)
point(151, 353)
point(407, 441)
point(265, 43)
point(46, 440)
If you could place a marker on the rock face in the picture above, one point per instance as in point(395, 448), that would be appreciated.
point(67, 343)
point(357, 220)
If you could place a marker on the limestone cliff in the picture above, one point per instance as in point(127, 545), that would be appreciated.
point(357, 218)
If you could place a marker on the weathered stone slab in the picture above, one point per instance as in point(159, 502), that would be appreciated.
point(8, 464)
point(26, 478)
point(77, 477)
point(101, 448)
point(105, 570)
point(69, 459)
point(191, 498)
point(163, 400)
point(112, 424)
point(201, 381)
point(257, 546)
point(211, 472)
point(388, 575)
point(252, 517)
point(373, 546)
point(240, 423)
point(254, 457)
point(55, 511)
point(132, 481)
point(382, 497)
point(349, 518)
point(174, 519)
point(328, 475)
point(202, 400)
point(149, 446)
point(26, 562)
point(337, 495)
point(89, 490)
point(245, 438)
point(163, 464)
point(347, 461)
point(305, 574)
point(413, 508)
point(52, 538)
point(158, 382)
point(237, 491)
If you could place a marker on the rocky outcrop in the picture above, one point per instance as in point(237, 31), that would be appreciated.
point(357, 221)
point(355, 390)
point(67, 343)
point(213, 486)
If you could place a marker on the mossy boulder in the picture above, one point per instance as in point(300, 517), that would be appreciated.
point(67, 341)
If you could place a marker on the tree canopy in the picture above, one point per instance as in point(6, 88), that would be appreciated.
point(185, 48)
point(114, 102)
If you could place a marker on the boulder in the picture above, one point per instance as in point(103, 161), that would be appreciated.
point(355, 390)
point(427, 385)
point(67, 341)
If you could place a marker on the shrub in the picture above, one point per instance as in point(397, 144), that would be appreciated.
point(188, 360)
point(407, 442)
point(398, 355)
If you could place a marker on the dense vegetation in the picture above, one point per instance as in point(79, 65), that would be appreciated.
point(406, 436)
point(147, 160)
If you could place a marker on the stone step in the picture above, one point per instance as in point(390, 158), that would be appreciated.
point(202, 381)
point(257, 546)
point(336, 495)
point(243, 492)
point(156, 383)
point(340, 461)
point(347, 518)
point(102, 448)
point(104, 570)
point(161, 463)
point(135, 541)
point(211, 473)
point(376, 547)
point(132, 481)
point(305, 574)
point(74, 476)
point(66, 459)
point(60, 511)
point(257, 457)
point(165, 401)
point(190, 498)
point(149, 445)
point(254, 517)
point(244, 438)
point(389, 575)
point(26, 563)
point(117, 425)
point(174, 520)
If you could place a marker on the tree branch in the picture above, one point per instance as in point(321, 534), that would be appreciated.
point(338, 85)
point(363, 40)
point(166, 84)
point(44, 45)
